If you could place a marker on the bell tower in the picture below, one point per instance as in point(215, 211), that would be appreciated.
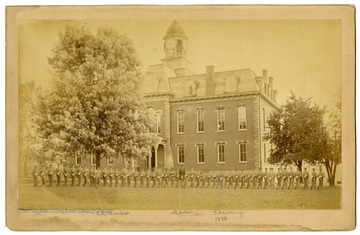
point(175, 47)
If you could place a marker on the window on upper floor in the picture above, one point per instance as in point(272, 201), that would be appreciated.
point(180, 121)
point(220, 119)
point(200, 120)
point(158, 122)
point(242, 117)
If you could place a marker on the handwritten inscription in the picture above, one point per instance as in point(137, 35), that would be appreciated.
point(60, 211)
point(186, 213)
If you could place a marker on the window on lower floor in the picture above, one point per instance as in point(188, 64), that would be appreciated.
point(92, 160)
point(110, 161)
point(221, 153)
point(242, 152)
point(78, 160)
point(181, 154)
point(200, 153)
point(220, 119)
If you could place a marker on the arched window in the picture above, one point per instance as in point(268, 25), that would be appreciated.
point(242, 117)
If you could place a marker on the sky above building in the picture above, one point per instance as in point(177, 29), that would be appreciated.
point(303, 56)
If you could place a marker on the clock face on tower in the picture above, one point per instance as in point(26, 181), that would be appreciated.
point(170, 43)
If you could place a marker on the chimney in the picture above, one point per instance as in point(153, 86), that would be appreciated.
point(271, 79)
point(265, 73)
point(210, 83)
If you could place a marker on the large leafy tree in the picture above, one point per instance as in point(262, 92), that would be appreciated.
point(94, 105)
point(333, 157)
point(297, 133)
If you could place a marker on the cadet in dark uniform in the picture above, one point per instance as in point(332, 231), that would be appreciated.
point(78, 175)
point(65, 174)
point(260, 179)
point(291, 178)
point(142, 178)
point(50, 175)
point(97, 176)
point(35, 174)
point(182, 174)
point(297, 178)
point(85, 174)
point(272, 178)
point(285, 178)
point(58, 176)
point(136, 177)
point(313, 179)
point(42, 176)
point(104, 174)
point(92, 177)
point(321, 177)
point(166, 176)
point(305, 176)
point(266, 179)
point(279, 176)
point(254, 179)
point(117, 175)
point(111, 176)
point(73, 173)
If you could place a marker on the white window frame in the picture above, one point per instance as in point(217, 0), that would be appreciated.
point(108, 161)
point(240, 144)
point(76, 160)
point(198, 153)
point(240, 119)
point(218, 153)
point(158, 122)
point(197, 120)
point(92, 160)
point(218, 111)
point(178, 153)
point(178, 123)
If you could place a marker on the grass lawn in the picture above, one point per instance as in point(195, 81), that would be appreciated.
point(176, 198)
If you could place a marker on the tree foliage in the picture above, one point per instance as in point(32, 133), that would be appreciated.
point(297, 133)
point(94, 105)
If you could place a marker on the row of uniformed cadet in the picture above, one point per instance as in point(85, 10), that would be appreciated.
point(254, 179)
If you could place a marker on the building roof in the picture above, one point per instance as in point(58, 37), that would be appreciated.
point(175, 29)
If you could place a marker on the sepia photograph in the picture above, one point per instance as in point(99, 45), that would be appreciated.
point(206, 120)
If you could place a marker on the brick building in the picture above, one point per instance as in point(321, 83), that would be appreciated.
point(209, 121)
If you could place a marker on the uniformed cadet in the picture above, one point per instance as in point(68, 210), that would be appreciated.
point(266, 179)
point(35, 174)
point(203, 178)
point(148, 175)
point(254, 179)
point(182, 174)
point(321, 177)
point(50, 175)
point(242, 179)
point(291, 178)
point(136, 176)
point(285, 176)
point(153, 177)
point(98, 175)
point(85, 174)
point(272, 178)
point(104, 176)
point(142, 176)
point(111, 176)
point(215, 178)
point(78, 175)
point(191, 177)
point(297, 178)
point(222, 178)
point(279, 176)
point(260, 179)
point(236, 179)
point(313, 179)
point(92, 176)
point(305, 176)
point(42, 175)
point(247, 179)
point(116, 177)
point(123, 177)
point(58, 175)
point(166, 178)
point(73, 175)
point(66, 174)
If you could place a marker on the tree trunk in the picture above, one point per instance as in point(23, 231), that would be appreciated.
point(331, 172)
point(97, 159)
